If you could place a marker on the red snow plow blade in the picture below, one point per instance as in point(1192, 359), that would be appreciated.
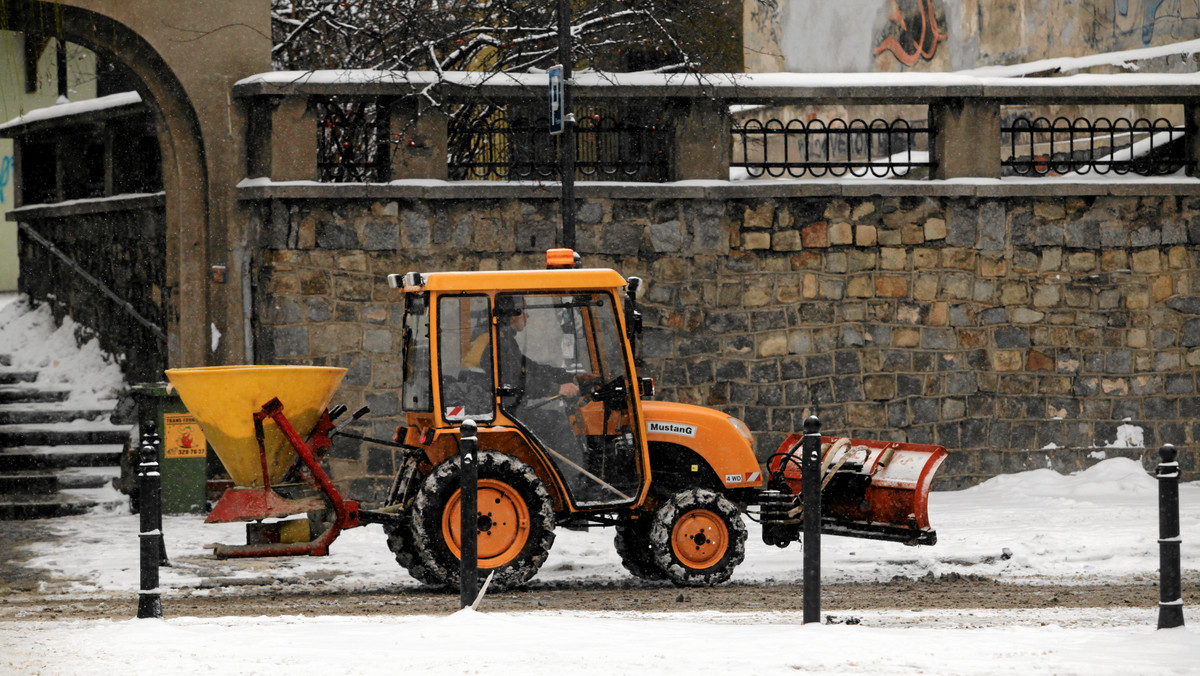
point(870, 489)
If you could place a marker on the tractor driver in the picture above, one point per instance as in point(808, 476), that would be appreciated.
point(534, 379)
point(535, 388)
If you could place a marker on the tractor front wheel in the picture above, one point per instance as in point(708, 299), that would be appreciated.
point(516, 521)
point(697, 538)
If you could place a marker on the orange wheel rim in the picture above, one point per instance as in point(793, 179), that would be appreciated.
point(700, 539)
point(503, 523)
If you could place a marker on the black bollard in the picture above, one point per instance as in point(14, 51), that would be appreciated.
point(152, 551)
point(1170, 595)
point(468, 478)
point(810, 493)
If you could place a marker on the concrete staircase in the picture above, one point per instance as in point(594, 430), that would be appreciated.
point(56, 458)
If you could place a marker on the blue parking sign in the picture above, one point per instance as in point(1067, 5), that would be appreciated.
point(556, 99)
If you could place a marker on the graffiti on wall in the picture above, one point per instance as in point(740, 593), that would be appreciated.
point(1132, 16)
point(6, 164)
point(913, 31)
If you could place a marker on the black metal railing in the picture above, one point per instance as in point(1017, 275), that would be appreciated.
point(816, 148)
point(612, 143)
point(1040, 147)
point(632, 142)
point(157, 331)
point(352, 140)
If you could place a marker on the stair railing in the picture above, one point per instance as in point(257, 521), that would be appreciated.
point(125, 305)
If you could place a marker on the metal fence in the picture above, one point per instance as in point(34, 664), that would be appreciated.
point(817, 148)
point(612, 143)
point(1040, 147)
point(632, 142)
point(352, 140)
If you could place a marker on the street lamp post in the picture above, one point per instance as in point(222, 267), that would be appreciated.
point(566, 147)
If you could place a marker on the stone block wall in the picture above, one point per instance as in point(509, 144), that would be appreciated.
point(1020, 332)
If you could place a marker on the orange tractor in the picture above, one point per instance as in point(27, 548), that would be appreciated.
point(543, 361)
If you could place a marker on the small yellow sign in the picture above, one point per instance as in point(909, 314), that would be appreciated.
point(182, 436)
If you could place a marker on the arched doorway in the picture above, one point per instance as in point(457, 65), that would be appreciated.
point(184, 58)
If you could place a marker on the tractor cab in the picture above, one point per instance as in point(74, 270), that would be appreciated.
point(541, 361)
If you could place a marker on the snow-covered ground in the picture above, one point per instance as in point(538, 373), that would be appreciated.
point(604, 644)
point(1099, 525)
point(1036, 527)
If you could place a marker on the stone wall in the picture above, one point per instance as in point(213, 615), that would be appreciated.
point(1018, 331)
point(121, 246)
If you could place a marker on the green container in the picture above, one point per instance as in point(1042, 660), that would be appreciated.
point(183, 452)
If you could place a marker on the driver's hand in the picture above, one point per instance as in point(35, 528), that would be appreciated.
point(568, 390)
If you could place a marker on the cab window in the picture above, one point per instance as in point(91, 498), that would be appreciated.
point(417, 390)
point(465, 358)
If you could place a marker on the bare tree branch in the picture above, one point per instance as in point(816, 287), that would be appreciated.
point(500, 35)
point(492, 37)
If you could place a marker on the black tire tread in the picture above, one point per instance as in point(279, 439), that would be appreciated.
point(438, 563)
point(632, 543)
point(399, 540)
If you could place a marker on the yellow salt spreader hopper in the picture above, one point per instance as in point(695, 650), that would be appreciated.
point(241, 410)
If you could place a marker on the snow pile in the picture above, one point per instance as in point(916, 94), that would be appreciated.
point(35, 343)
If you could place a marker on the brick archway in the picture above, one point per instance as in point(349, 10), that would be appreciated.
point(186, 57)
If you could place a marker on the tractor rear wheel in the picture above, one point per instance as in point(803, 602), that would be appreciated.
point(633, 546)
point(697, 538)
point(399, 536)
point(516, 521)
point(400, 541)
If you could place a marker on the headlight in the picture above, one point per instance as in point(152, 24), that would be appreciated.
point(742, 430)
